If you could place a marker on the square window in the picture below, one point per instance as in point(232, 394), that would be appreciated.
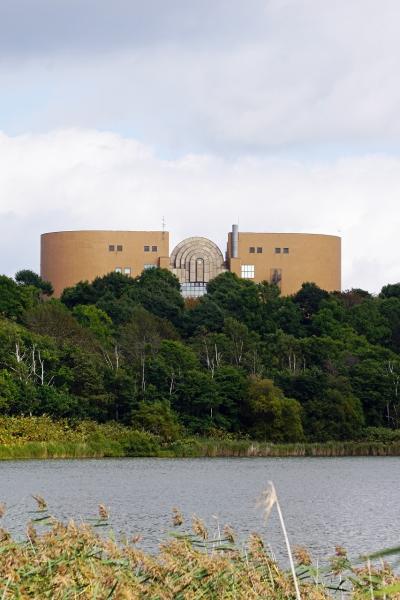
point(247, 271)
point(259, 250)
point(127, 271)
point(118, 270)
point(119, 248)
point(154, 248)
point(147, 248)
point(286, 251)
point(277, 250)
point(111, 248)
point(252, 250)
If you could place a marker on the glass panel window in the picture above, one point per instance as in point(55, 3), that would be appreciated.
point(147, 248)
point(193, 290)
point(259, 250)
point(111, 248)
point(277, 250)
point(154, 248)
point(127, 271)
point(247, 271)
point(252, 250)
point(286, 251)
point(118, 270)
point(119, 248)
point(145, 267)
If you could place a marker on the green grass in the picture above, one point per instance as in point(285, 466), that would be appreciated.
point(192, 447)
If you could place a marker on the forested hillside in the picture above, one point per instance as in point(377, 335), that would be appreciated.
point(242, 359)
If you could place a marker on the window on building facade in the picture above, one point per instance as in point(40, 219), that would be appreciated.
point(154, 248)
point(111, 248)
point(259, 250)
point(147, 248)
point(127, 271)
point(145, 267)
point(119, 248)
point(252, 250)
point(118, 269)
point(247, 271)
point(277, 250)
point(193, 290)
point(286, 251)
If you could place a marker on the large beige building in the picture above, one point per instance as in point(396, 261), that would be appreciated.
point(286, 259)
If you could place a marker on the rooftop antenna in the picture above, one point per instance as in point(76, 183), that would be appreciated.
point(163, 227)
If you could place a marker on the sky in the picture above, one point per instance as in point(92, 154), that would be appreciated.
point(282, 115)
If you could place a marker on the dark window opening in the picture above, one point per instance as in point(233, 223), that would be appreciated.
point(259, 250)
point(119, 248)
point(147, 248)
point(277, 250)
point(286, 251)
point(154, 248)
point(276, 277)
point(252, 250)
point(111, 248)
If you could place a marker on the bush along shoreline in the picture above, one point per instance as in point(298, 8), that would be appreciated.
point(42, 437)
point(58, 560)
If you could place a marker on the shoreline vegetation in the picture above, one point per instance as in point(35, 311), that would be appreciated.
point(60, 560)
point(201, 448)
point(42, 437)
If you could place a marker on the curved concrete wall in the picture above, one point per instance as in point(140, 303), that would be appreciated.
point(68, 257)
point(302, 257)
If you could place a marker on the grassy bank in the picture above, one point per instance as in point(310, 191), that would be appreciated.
point(41, 437)
point(193, 449)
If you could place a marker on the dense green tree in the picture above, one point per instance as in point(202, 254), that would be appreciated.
point(271, 416)
point(97, 321)
point(158, 418)
point(196, 401)
point(309, 299)
point(390, 311)
point(232, 390)
point(29, 278)
point(81, 293)
point(15, 299)
point(53, 319)
point(391, 290)
point(8, 392)
point(158, 290)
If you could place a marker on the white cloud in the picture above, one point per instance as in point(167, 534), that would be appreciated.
point(71, 179)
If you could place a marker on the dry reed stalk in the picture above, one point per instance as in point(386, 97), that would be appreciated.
point(268, 500)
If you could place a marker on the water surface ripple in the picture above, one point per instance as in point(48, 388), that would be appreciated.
point(325, 501)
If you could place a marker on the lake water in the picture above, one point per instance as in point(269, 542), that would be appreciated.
point(326, 501)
